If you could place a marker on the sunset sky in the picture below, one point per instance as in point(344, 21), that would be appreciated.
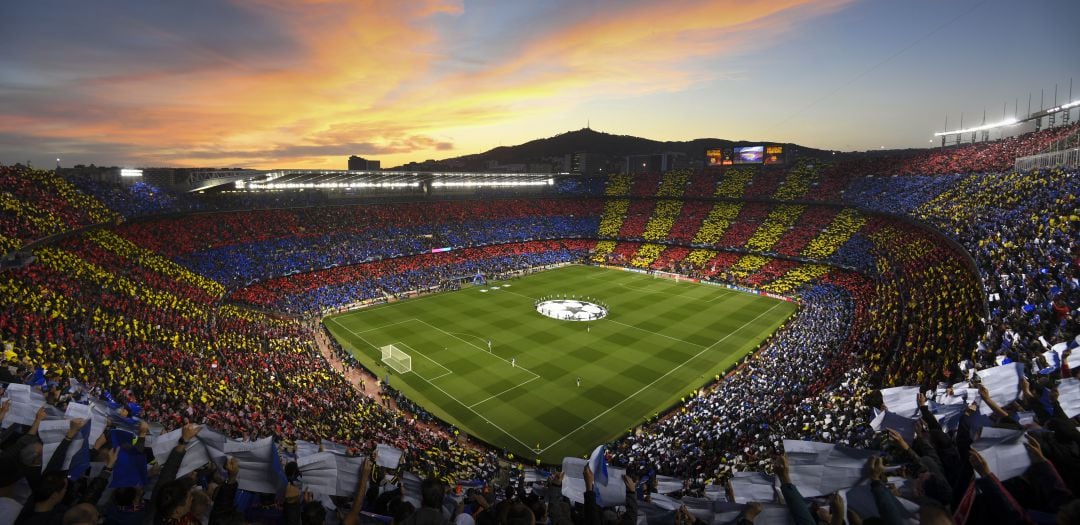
point(305, 83)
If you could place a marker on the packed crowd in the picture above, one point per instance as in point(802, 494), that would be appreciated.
point(237, 249)
point(717, 222)
point(636, 218)
point(663, 218)
point(137, 198)
point(35, 204)
point(691, 216)
point(645, 184)
point(1023, 231)
point(131, 325)
point(108, 309)
point(673, 183)
point(775, 225)
point(997, 155)
point(813, 222)
point(739, 423)
point(379, 280)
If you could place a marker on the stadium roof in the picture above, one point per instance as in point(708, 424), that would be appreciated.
point(357, 180)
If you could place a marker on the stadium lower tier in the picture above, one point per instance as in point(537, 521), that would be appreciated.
point(105, 308)
point(344, 285)
point(891, 252)
point(238, 249)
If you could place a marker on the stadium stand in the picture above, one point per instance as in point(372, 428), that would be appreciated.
point(958, 267)
point(343, 285)
point(35, 204)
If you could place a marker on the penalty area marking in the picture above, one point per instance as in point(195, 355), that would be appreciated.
point(402, 343)
point(448, 394)
point(421, 354)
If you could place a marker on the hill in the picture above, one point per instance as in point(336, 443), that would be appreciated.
point(607, 147)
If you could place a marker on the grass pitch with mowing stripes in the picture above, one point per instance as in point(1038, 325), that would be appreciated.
point(660, 341)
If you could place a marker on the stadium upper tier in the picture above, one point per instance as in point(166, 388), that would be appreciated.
point(147, 309)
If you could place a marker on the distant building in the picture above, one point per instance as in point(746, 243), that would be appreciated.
point(655, 163)
point(362, 164)
point(583, 163)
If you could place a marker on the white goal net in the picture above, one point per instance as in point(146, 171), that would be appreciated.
point(393, 357)
point(666, 275)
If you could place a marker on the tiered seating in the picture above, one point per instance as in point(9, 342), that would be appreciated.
point(35, 204)
point(637, 216)
point(938, 317)
point(242, 247)
point(689, 221)
point(764, 183)
point(645, 185)
point(663, 218)
point(126, 322)
point(76, 208)
point(703, 183)
point(673, 183)
point(800, 177)
point(897, 194)
point(344, 285)
point(24, 219)
point(844, 224)
point(717, 222)
point(795, 278)
point(117, 313)
point(612, 220)
point(698, 257)
point(148, 259)
point(670, 259)
point(984, 156)
point(623, 252)
point(719, 264)
point(768, 272)
point(618, 185)
point(138, 198)
point(747, 265)
point(646, 255)
point(776, 224)
point(745, 224)
point(810, 224)
point(734, 181)
point(602, 250)
point(1023, 233)
point(145, 327)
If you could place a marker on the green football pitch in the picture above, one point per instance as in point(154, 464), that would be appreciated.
point(660, 341)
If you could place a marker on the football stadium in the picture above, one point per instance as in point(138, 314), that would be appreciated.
point(207, 318)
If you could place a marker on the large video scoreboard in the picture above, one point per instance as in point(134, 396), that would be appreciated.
point(763, 154)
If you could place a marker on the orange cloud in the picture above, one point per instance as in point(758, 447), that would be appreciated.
point(365, 78)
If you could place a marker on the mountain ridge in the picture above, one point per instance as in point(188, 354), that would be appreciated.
point(590, 141)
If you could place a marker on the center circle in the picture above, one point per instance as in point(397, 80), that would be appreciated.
point(571, 309)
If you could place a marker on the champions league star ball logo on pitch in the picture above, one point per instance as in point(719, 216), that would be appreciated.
point(571, 309)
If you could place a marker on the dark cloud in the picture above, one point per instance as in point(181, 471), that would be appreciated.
point(56, 41)
point(14, 147)
point(284, 151)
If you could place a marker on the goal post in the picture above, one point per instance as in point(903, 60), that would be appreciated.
point(396, 359)
point(657, 274)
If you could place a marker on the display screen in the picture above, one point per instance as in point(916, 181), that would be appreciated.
point(749, 155)
point(715, 156)
point(774, 154)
